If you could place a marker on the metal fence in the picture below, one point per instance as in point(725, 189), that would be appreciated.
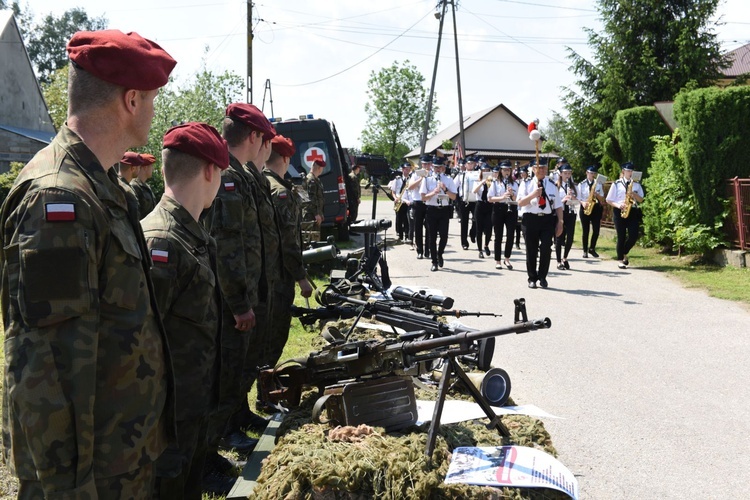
point(737, 224)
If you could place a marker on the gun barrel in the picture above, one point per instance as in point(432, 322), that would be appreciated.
point(320, 254)
point(415, 346)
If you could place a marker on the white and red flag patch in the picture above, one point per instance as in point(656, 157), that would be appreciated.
point(54, 212)
point(159, 256)
point(229, 186)
point(282, 195)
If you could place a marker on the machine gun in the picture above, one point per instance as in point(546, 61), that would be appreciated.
point(371, 362)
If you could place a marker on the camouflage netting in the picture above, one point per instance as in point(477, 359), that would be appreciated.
point(314, 461)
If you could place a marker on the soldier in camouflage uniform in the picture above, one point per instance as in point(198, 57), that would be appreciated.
point(127, 169)
point(356, 193)
point(313, 209)
point(88, 392)
point(287, 205)
point(143, 192)
point(234, 224)
point(183, 271)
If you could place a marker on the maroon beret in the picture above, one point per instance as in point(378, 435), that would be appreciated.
point(124, 59)
point(252, 117)
point(132, 158)
point(147, 159)
point(319, 162)
point(199, 140)
point(283, 145)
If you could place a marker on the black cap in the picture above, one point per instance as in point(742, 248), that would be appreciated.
point(425, 158)
point(627, 166)
point(591, 168)
point(439, 161)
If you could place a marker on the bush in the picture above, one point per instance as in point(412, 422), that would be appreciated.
point(8, 178)
point(634, 129)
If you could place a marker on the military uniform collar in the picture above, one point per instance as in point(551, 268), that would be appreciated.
point(183, 217)
point(278, 178)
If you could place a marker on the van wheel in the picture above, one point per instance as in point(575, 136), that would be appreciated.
point(343, 230)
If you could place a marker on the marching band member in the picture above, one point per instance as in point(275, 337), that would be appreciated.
point(593, 221)
point(569, 197)
point(401, 206)
point(483, 209)
point(437, 191)
point(624, 195)
point(467, 204)
point(417, 206)
point(542, 219)
point(522, 177)
point(502, 194)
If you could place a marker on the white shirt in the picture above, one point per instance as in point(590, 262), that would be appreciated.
point(398, 186)
point(584, 191)
point(618, 191)
point(465, 185)
point(499, 188)
point(430, 183)
point(415, 194)
point(552, 197)
point(571, 205)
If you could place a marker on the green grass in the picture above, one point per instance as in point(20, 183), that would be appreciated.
point(692, 271)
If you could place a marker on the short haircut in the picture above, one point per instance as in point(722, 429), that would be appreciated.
point(85, 91)
point(274, 157)
point(179, 167)
point(235, 131)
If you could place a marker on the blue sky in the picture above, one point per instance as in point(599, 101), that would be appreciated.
point(318, 54)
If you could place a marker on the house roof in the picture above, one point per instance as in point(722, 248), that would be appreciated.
point(452, 131)
point(37, 135)
point(740, 61)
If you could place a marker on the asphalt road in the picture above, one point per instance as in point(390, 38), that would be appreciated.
point(651, 379)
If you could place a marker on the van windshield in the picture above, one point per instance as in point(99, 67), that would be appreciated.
point(309, 151)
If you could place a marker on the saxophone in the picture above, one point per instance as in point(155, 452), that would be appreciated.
point(625, 212)
point(592, 201)
point(399, 201)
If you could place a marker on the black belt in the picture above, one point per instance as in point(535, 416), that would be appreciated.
point(438, 206)
point(540, 214)
point(418, 202)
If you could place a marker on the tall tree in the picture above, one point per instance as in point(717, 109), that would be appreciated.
point(47, 39)
point(396, 111)
point(647, 51)
point(55, 93)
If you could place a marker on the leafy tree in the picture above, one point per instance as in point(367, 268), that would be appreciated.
point(23, 18)
point(647, 51)
point(396, 110)
point(48, 38)
point(55, 93)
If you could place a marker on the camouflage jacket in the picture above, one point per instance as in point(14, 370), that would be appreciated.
point(88, 386)
point(356, 186)
point(183, 270)
point(286, 202)
point(272, 260)
point(233, 222)
point(317, 202)
point(145, 196)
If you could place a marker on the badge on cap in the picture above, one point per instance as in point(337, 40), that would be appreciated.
point(160, 256)
point(55, 212)
point(229, 186)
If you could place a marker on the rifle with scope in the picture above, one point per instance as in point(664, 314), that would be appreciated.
point(412, 355)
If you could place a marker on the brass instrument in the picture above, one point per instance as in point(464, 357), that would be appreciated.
point(397, 204)
point(629, 201)
point(591, 201)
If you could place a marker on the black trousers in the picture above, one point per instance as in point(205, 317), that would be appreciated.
point(466, 211)
point(538, 233)
point(627, 231)
point(565, 240)
point(519, 229)
point(418, 214)
point(402, 221)
point(591, 223)
point(438, 220)
point(503, 220)
point(483, 218)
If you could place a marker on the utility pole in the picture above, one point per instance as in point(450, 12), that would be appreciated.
point(250, 51)
point(444, 5)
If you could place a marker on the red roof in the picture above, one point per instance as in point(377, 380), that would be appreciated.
point(740, 62)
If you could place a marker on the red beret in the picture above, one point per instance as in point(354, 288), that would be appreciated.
point(127, 60)
point(199, 140)
point(283, 146)
point(131, 158)
point(320, 162)
point(252, 117)
point(147, 159)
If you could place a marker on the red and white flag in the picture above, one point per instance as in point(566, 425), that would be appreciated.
point(229, 186)
point(55, 212)
point(160, 256)
point(458, 152)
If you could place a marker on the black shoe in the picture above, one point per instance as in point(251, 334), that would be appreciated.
point(508, 265)
point(585, 255)
point(560, 266)
point(465, 247)
point(518, 247)
point(566, 264)
point(434, 268)
point(440, 261)
point(543, 283)
point(238, 441)
point(622, 265)
point(419, 256)
point(481, 255)
point(532, 284)
point(487, 251)
point(593, 253)
point(626, 261)
point(250, 420)
point(217, 483)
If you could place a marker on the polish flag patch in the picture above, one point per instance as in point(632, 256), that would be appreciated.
point(282, 196)
point(54, 212)
point(160, 256)
point(229, 186)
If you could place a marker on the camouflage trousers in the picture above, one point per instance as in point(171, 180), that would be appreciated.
point(180, 468)
point(136, 484)
point(281, 321)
